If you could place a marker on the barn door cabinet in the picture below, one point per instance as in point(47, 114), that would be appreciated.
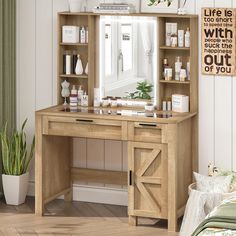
point(156, 168)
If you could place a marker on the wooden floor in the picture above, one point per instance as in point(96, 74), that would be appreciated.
point(76, 218)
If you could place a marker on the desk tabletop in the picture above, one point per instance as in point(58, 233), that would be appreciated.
point(125, 114)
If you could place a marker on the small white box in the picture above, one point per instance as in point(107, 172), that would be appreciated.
point(180, 103)
point(70, 34)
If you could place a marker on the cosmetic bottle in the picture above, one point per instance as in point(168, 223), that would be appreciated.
point(180, 38)
point(187, 38)
point(68, 64)
point(73, 97)
point(178, 65)
point(188, 69)
point(82, 34)
point(169, 104)
point(84, 101)
point(87, 35)
point(80, 94)
point(164, 105)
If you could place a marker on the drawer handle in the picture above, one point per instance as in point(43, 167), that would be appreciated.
point(130, 178)
point(87, 121)
point(148, 125)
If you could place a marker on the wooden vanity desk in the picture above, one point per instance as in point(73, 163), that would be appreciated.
point(159, 158)
point(162, 149)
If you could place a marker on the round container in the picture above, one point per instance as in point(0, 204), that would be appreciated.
point(149, 107)
point(75, 5)
point(105, 102)
point(113, 102)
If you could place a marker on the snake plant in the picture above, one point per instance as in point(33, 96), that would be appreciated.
point(15, 157)
point(155, 2)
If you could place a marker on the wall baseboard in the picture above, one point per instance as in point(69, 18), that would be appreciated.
point(94, 194)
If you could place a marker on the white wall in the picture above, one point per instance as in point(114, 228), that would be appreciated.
point(36, 84)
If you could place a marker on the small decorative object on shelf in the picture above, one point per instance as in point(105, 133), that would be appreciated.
point(79, 67)
point(118, 8)
point(180, 103)
point(187, 38)
point(75, 5)
point(74, 96)
point(183, 75)
point(182, 10)
point(65, 92)
point(86, 69)
point(70, 34)
point(160, 6)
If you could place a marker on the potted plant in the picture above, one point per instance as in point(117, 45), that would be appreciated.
point(15, 159)
point(143, 91)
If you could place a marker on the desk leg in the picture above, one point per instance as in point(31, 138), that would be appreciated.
point(39, 201)
point(133, 221)
point(172, 178)
point(68, 196)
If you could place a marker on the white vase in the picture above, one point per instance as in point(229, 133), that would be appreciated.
point(15, 188)
point(79, 67)
point(87, 69)
point(75, 5)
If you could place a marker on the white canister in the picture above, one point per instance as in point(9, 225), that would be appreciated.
point(183, 75)
point(75, 5)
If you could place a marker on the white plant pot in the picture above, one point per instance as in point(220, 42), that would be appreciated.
point(75, 5)
point(15, 188)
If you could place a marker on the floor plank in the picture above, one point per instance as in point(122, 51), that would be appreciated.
point(72, 219)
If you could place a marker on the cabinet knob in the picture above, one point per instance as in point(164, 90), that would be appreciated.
point(130, 178)
point(148, 124)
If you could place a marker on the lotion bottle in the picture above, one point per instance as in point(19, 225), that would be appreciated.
point(82, 35)
point(178, 66)
point(80, 95)
point(187, 38)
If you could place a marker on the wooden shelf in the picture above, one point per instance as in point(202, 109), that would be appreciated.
point(174, 48)
point(75, 76)
point(174, 82)
point(74, 44)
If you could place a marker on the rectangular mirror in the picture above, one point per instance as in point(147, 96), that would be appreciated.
point(128, 57)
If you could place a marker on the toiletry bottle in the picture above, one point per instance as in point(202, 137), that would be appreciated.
point(174, 40)
point(188, 69)
point(73, 97)
point(87, 35)
point(164, 105)
point(169, 105)
point(84, 101)
point(68, 64)
point(80, 94)
point(178, 65)
point(82, 34)
point(180, 38)
point(168, 34)
point(165, 65)
point(187, 38)
point(74, 61)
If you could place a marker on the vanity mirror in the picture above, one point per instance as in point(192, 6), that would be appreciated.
point(128, 57)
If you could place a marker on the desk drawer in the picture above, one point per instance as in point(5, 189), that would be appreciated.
point(144, 132)
point(85, 127)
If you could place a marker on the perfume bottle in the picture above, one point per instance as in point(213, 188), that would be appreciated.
point(178, 66)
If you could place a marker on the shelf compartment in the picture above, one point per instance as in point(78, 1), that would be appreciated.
point(74, 44)
point(174, 48)
point(74, 76)
point(174, 82)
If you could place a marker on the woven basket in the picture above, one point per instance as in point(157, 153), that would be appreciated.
point(225, 195)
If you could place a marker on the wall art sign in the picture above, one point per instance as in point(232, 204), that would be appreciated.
point(219, 41)
point(160, 6)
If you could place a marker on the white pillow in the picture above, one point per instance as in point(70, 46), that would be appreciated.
point(215, 184)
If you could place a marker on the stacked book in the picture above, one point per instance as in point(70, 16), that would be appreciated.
point(116, 8)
